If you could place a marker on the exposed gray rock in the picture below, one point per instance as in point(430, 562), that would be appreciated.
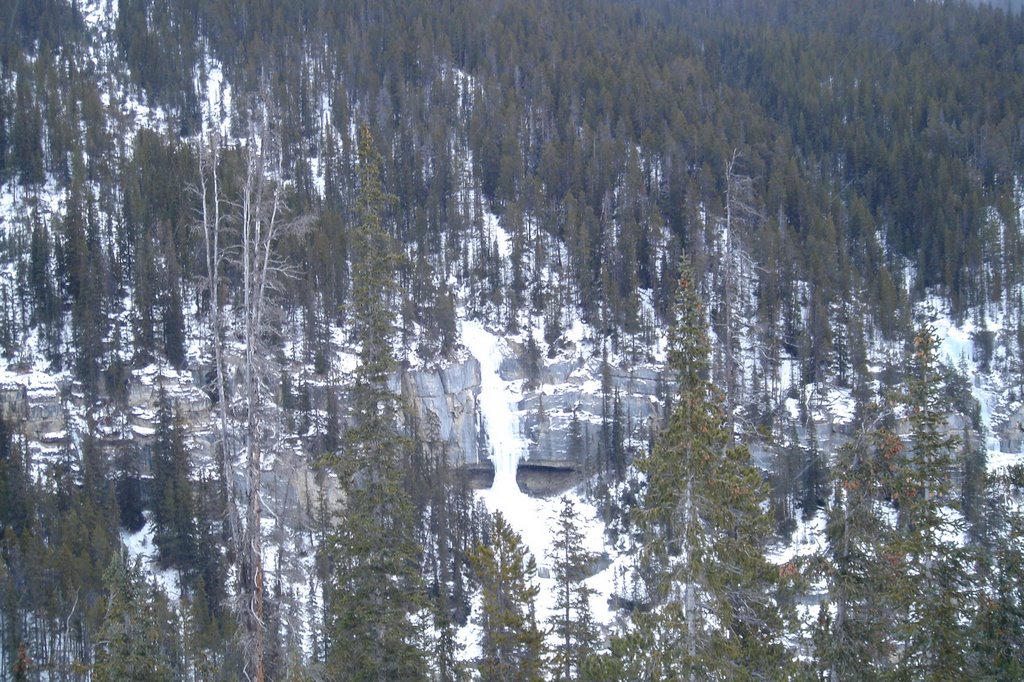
point(33, 407)
point(1011, 432)
point(556, 389)
point(548, 479)
point(443, 404)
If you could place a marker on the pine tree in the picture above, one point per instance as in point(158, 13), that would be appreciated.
point(785, 478)
point(173, 318)
point(132, 645)
point(144, 303)
point(575, 449)
point(16, 499)
point(972, 489)
point(572, 621)
point(375, 582)
point(857, 641)
point(712, 591)
point(175, 533)
point(812, 475)
point(512, 645)
point(27, 132)
point(933, 589)
point(40, 274)
point(22, 665)
point(998, 625)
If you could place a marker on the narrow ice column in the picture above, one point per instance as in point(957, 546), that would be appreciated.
point(498, 401)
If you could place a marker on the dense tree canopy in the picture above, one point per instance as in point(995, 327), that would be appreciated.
point(824, 166)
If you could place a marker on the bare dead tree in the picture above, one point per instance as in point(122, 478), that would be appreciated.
point(263, 222)
point(258, 220)
point(740, 209)
point(212, 223)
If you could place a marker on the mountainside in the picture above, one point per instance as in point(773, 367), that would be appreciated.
point(518, 339)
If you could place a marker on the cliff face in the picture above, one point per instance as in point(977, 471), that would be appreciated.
point(443, 405)
point(33, 401)
point(567, 412)
point(570, 408)
point(441, 402)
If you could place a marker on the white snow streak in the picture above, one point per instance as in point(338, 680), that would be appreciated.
point(534, 519)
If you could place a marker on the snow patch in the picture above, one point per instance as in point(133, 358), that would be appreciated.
point(140, 545)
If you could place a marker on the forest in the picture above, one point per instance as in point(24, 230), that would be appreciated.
point(731, 253)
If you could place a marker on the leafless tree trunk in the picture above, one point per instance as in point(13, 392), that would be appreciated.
point(740, 209)
point(212, 223)
point(262, 225)
point(690, 599)
point(258, 213)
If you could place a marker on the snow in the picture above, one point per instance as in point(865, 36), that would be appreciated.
point(217, 107)
point(1001, 461)
point(140, 546)
point(808, 540)
point(291, 558)
point(531, 517)
point(956, 349)
point(497, 406)
point(99, 15)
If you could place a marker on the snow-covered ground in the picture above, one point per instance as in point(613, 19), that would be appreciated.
point(989, 388)
point(533, 518)
point(140, 546)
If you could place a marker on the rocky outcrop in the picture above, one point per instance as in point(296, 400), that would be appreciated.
point(49, 411)
point(547, 410)
point(1010, 433)
point(573, 398)
point(443, 405)
point(33, 403)
point(548, 478)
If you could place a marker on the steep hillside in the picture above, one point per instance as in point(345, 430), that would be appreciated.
point(311, 313)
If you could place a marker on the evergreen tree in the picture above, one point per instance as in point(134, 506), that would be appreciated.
point(998, 625)
point(173, 505)
point(785, 478)
point(144, 303)
point(128, 490)
point(572, 622)
point(40, 273)
point(22, 665)
point(132, 644)
point(375, 583)
point(512, 645)
point(576, 450)
point(27, 131)
point(812, 475)
point(173, 319)
point(16, 504)
point(857, 642)
point(710, 587)
point(972, 489)
point(933, 588)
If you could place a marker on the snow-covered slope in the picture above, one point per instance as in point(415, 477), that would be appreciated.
point(534, 518)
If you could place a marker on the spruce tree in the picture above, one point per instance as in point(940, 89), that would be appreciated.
point(998, 625)
point(16, 498)
point(175, 533)
point(812, 475)
point(512, 644)
point(375, 582)
point(711, 590)
point(173, 317)
point(27, 132)
point(131, 643)
point(854, 635)
point(933, 589)
point(572, 622)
